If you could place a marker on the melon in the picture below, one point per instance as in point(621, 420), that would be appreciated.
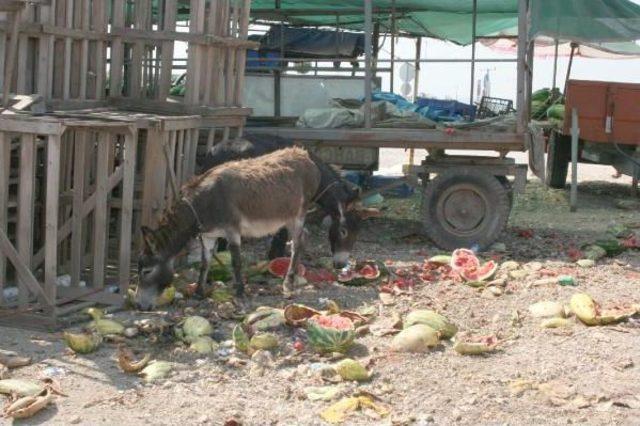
point(442, 259)
point(363, 273)
point(463, 259)
point(475, 345)
point(480, 273)
point(280, 266)
point(330, 333)
point(319, 276)
point(438, 322)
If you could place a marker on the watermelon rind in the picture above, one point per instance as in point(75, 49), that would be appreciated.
point(329, 339)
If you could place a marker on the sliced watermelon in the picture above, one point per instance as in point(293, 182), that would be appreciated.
point(330, 333)
point(463, 259)
point(280, 266)
point(480, 273)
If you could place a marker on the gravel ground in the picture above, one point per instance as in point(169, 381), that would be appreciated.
point(586, 375)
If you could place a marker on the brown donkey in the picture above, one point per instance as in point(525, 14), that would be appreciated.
point(249, 198)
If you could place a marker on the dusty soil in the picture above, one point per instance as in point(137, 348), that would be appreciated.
point(587, 375)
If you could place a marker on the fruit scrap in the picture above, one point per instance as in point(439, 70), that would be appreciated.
point(263, 341)
point(27, 406)
point(10, 360)
point(280, 266)
point(556, 323)
point(192, 328)
point(475, 345)
point(439, 323)
point(296, 315)
point(415, 339)
point(127, 363)
point(590, 312)
point(338, 412)
point(330, 333)
point(156, 370)
point(351, 370)
point(82, 343)
point(20, 387)
point(240, 338)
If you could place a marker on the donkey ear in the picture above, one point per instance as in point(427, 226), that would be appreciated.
point(149, 240)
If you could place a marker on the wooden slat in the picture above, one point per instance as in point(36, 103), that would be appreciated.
point(51, 220)
point(195, 53)
point(3, 49)
point(45, 43)
point(5, 168)
point(26, 204)
point(24, 274)
point(117, 50)
point(11, 60)
point(154, 173)
point(126, 213)
point(23, 51)
point(100, 212)
point(181, 157)
point(100, 19)
point(66, 82)
point(193, 142)
point(78, 203)
point(84, 53)
point(242, 59)
point(170, 9)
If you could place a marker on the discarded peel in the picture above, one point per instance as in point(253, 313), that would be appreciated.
point(296, 315)
point(156, 370)
point(585, 308)
point(556, 323)
point(475, 345)
point(351, 370)
point(28, 406)
point(127, 363)
point(82, 343)
point(20, 387)
point(439, 323)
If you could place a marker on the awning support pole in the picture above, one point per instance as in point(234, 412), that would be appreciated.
point(555, 65)
point(473, 49)
point(575, 137)
point(574, 46)
point(416, 82)
point(368, 83)
point(392, 76)
point(522, 58)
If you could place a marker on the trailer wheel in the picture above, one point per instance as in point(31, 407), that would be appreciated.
point(558, 158)
point(507, 185)
point(463, 208)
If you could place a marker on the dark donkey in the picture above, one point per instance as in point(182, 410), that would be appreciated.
point(247, 198)
point(343, 231)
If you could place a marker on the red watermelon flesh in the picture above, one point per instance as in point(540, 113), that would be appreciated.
point(319, 276)
point(279, 267)
point(464, 260)
point(369, 272)
point(480, 273)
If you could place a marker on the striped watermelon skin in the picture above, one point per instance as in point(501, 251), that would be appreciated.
point(325, 338)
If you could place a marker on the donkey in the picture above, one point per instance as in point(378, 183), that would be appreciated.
point(341, 238)
point(247, 198)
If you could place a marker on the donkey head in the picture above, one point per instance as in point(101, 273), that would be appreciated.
point(155, 271)
point(345, 226)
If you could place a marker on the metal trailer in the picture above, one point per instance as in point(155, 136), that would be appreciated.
point(469, 201)
point(607, 118)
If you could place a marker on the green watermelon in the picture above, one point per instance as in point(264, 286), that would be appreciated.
point(556, 111)
point(541, 95)
point(330, 333)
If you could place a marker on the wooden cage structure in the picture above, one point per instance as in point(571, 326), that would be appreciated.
point(77, 182)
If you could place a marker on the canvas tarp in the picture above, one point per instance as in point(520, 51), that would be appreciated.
point(613, 24)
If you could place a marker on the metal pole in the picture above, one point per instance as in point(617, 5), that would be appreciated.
point(277, 74)
point(575, 135)
point(522, 53)
point(368, 83)
point(574, 46)
point(416, 82)
point(393, 46)
point(555, 65)
point(473, 49)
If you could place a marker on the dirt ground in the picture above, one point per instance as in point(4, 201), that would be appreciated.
point(586, 375)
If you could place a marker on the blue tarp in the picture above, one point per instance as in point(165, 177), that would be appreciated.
point(434, 109)
point(312, 43)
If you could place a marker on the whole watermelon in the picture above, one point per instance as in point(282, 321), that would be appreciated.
point(330, 333)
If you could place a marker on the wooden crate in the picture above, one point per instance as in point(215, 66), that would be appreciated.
point(86, 164)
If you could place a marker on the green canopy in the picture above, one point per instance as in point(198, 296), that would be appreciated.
point(589, 21)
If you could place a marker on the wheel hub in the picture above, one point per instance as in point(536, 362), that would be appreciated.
point(462, 209)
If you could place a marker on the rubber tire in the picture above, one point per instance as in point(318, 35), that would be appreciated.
point(507, 185)
point(558, 158)
point(499, 208)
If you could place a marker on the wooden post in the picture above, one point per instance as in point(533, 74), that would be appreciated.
point(575, 138)
point(81, 143)
point(368, 83)
point(474, 22)
point(126, 213)
point(195, 53)
point(84, 52)
point(555, 64)
point(100, 212)
point(522, 121)
point(117, 51)
point(45, 52)
point(51, 222)
point(101, 25)
point(26, 204)
point(11, 61)
point(166, 67)
point(154, 175)
point(242, 60)
point(5, 168)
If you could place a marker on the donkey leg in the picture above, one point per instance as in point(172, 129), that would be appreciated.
point(205, 261)
point(296, 230)
point(236, 263)
point(279, 244)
